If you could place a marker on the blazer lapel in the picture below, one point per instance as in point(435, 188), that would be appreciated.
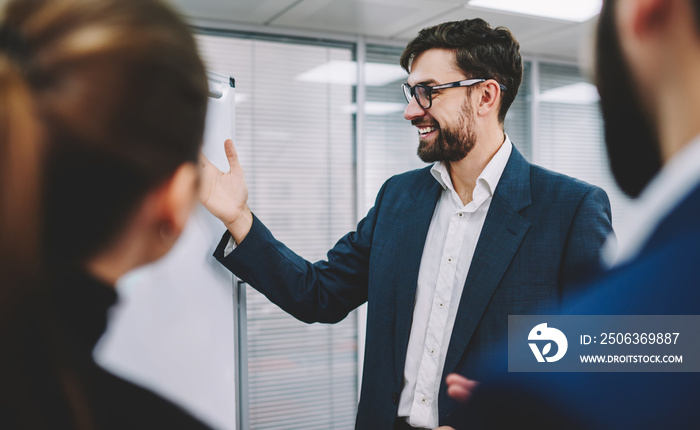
point(500, 239)
point(409, 251)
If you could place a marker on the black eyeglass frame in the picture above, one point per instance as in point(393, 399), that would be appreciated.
point(410, 92)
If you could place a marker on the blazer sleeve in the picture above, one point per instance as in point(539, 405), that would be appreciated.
point(591, 226)
point(325, 291)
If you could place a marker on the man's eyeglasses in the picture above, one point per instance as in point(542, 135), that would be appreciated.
point(424, 93)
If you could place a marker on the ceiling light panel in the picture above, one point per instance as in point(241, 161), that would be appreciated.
point(577, 11)
point(345, 72)
point(580, 93)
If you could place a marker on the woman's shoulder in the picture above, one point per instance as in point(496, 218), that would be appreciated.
point(119, 404)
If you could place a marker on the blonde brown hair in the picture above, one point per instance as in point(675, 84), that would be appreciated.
point(19, 184)
point(121, 93)
point(100, 102)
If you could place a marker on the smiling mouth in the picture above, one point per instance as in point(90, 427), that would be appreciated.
point(423, 131)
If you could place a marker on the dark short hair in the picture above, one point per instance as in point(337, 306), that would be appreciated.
point(480, 52)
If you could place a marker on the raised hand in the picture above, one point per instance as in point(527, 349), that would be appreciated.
point(225, 195)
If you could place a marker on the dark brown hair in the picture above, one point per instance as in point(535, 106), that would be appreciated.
point(481, 52)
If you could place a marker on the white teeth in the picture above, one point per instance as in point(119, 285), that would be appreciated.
point(424, 130)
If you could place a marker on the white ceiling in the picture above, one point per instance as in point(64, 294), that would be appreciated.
point(391, 20)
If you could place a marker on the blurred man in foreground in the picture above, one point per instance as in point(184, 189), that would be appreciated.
point(648, 64)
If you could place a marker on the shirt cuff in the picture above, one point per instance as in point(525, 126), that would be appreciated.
point(230, 246)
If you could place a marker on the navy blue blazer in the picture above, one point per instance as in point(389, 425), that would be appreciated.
point(542, 231)
point(664, 279)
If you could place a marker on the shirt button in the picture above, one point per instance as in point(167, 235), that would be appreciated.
point(461, 214)
point(449, 260)
point(423, 400)
point(441, 305)
point(432, 352)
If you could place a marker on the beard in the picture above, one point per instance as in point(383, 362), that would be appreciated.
point(450, 144)
point(630, 136)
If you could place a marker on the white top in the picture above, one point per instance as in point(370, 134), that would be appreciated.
point(668, 188)
point(447, 255)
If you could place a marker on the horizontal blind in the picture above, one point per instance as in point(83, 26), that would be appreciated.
point(571, 133)
point(295, 141)
point(518, 122)
point(391, 142)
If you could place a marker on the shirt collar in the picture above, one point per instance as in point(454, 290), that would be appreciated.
point(488, 179)
point(668, 188)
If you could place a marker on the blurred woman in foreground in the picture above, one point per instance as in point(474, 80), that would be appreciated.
point(112, 95)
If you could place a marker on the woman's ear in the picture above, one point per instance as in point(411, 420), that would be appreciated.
point(153, 230)
point(175, 200)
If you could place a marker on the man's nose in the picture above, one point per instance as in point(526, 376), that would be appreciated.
point(413, 110)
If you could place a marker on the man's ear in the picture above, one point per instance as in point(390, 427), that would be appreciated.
point(175, 200)
point(490, 101)
point(644, 17)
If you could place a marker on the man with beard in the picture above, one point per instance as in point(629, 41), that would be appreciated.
point(648, 63)
point(448, 251)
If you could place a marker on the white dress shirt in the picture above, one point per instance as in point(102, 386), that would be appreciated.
point(447, 255)
point(668, 188)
